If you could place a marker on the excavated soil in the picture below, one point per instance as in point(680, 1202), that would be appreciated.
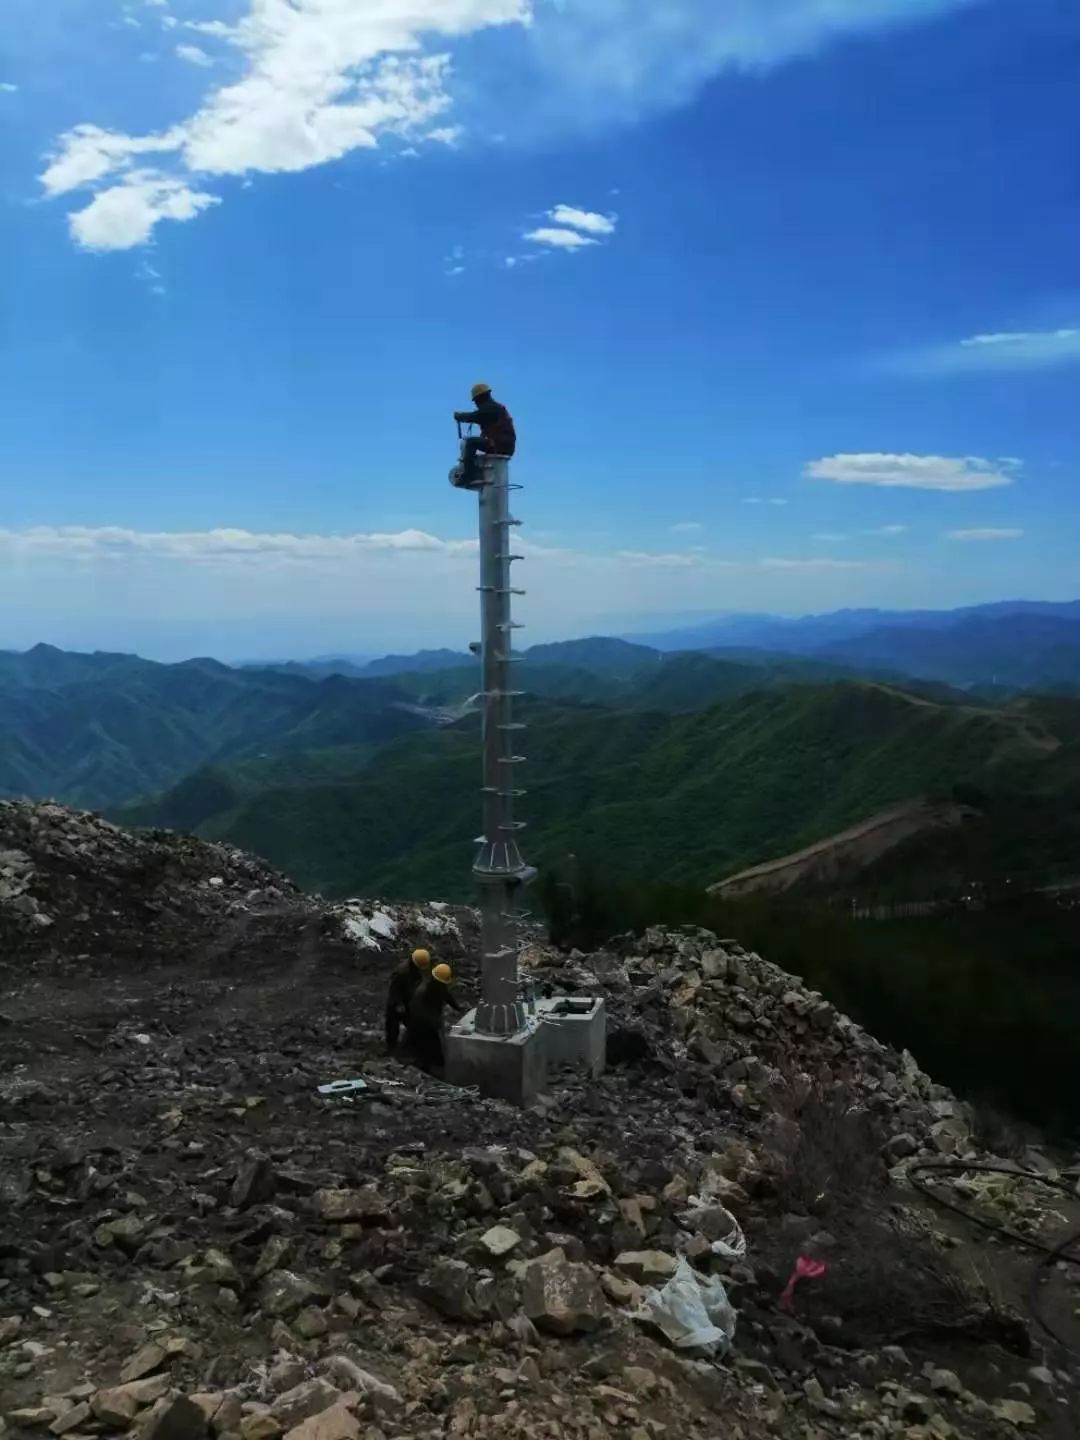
point(168, 1011)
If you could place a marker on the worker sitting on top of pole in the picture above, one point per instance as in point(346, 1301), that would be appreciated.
point(497, 435)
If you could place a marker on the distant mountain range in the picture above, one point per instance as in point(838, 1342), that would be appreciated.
point(98, 729)
point(1007, 646)
point(679, 764)
point(810, 634)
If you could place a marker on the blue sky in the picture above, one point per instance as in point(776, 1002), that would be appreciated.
point(783, 295)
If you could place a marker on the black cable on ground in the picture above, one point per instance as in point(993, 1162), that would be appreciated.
point(1051, 1254)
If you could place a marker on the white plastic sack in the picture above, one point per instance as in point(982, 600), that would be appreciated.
point(733, 1245)
point(693, 1311)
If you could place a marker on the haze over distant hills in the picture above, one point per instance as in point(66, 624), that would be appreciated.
point(813, 634)
point(686, 763)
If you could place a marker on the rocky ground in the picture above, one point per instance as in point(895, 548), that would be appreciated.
point(195, 1242)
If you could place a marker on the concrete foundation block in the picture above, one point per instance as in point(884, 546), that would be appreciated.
point(505, 1067)
point(574, 1031)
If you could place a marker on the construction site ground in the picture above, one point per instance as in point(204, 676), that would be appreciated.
point(165, 1158)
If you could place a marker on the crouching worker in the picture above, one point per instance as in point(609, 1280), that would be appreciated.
point(497, 434)
point(404, 983)
point(426, 1009)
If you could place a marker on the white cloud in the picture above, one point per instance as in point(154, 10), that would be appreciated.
point(887, 530)
point(768, 500)
point(774, 563)
point(587, 220)
point(987, 533)
point(194, 55)
point(321, 78)
point(619, 59)
point(687, 527)
point(669, 561)
point(829, 537)
point(225, 546)
point(89, 153)
point(559, 239)
point(445, 135)
point(8, 88)
point(1001, 350)
point(125, 215)
point(916, 472)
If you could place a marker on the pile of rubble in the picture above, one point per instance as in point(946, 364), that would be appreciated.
point(73, 886)
point(198, 1242)
point(759, 1033)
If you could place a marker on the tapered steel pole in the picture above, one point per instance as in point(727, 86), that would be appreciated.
point(499, 868)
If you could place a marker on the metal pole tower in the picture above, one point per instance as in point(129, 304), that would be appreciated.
point(499, 868)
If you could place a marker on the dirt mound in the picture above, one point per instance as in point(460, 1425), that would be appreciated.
point(840, 858)
point(74, 886)
point(195, 1241)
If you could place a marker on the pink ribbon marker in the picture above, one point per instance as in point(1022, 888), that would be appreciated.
point(805, 1269)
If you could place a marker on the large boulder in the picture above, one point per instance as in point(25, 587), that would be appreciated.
point(561, 1297)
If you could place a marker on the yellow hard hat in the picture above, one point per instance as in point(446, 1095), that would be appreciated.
point(443, 974)
point(421, 958)
point(480, 389)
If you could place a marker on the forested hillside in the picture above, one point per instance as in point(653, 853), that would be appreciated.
point(100, 729)
point(683, 797)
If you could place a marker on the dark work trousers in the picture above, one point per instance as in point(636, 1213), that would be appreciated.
point(470, 471)
point(426, 1043)
point(395, 1017)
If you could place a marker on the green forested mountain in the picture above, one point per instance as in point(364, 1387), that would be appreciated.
point(100, 729)
point(685, 797)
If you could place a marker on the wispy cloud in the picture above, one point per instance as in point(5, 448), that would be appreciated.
point(986, 533)
point(151, 277)
point(767, 500)
point(321, 78)
point(559, 239)
point(999, 350)
point(817, 563)
point(587, 220)
point(677, 560)
point(194, 55)
point(915, 472)
point(687, 527)
point(825, 536)
point(619, 59)
point(7, 88)
point(222, 546)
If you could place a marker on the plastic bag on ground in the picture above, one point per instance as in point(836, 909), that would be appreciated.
point(692, 1311)
point(732, 1245)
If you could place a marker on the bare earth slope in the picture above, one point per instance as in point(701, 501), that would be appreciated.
point(195, 1242)
point(844, 855)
